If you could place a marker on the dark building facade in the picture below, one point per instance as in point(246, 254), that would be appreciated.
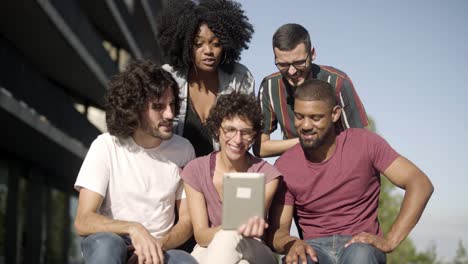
point(55, 60)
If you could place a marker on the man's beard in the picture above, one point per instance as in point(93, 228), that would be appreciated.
point(314, 145)
point(153, 130)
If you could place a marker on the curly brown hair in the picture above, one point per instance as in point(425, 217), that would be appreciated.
point(228, 106)
point(129, 93)
point(180, 22)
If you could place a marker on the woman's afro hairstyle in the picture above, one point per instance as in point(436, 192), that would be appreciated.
point(179, 24)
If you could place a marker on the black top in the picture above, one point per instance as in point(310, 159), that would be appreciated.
point(196, 132)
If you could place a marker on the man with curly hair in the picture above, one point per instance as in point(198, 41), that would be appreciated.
point(294, 56)
point(129, 183)
point(202, 43)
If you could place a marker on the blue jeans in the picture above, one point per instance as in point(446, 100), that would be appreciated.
point(330, 250)
point(111, 248)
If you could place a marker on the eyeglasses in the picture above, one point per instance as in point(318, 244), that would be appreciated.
point(246, 134)
point(298, 65)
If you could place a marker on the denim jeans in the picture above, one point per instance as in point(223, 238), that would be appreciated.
point(111, 248)
point(330, 250)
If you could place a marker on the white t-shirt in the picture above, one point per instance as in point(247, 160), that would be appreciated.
point(137, 184)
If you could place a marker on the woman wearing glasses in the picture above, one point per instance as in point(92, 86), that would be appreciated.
point(234, 121)
point(202, 44)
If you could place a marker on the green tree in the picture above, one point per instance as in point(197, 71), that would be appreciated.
point(389, 207)
point(428, 256)
point(460, 256)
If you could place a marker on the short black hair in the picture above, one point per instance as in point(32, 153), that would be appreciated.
point(129, 93)
point(179, 24)
point(228, 106)
point(288, 36)
point(316, 90)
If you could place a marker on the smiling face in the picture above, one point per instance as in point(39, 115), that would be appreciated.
point(314, 122)
point(207, 50)
point(295, 64)
point(157, 118)
point(235, 137)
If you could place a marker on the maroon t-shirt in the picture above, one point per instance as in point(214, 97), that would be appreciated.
point(199, 172)
point(341, 194)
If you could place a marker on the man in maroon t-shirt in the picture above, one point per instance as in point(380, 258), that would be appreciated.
point(331, 185)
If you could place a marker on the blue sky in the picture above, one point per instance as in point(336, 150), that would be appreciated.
point(407, 60)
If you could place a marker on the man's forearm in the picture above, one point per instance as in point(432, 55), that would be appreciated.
point(178, 234)
point(416, 197)
point(92, 223)
point(276, 147)
point(280, 240)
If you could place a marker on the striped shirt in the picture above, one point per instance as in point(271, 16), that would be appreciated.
point(277, 100)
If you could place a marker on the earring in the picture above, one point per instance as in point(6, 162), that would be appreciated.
point(224, 59)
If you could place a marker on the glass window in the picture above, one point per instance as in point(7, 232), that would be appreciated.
point(74, 251)
point(3, 206)
point(56, 223)
point(21, 224)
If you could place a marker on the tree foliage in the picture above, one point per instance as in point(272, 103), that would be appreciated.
point(460, 255)
point(389, 207)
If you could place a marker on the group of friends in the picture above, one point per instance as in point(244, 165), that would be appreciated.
point(154, 181)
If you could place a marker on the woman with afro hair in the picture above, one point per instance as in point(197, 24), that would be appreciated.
point(201, 44)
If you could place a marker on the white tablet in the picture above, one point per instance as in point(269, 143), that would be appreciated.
point(243, 197)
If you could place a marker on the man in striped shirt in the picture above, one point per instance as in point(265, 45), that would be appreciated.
point(294, 56)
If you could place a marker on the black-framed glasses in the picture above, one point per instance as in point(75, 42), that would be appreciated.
point(246, 134)
point(298, 65)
